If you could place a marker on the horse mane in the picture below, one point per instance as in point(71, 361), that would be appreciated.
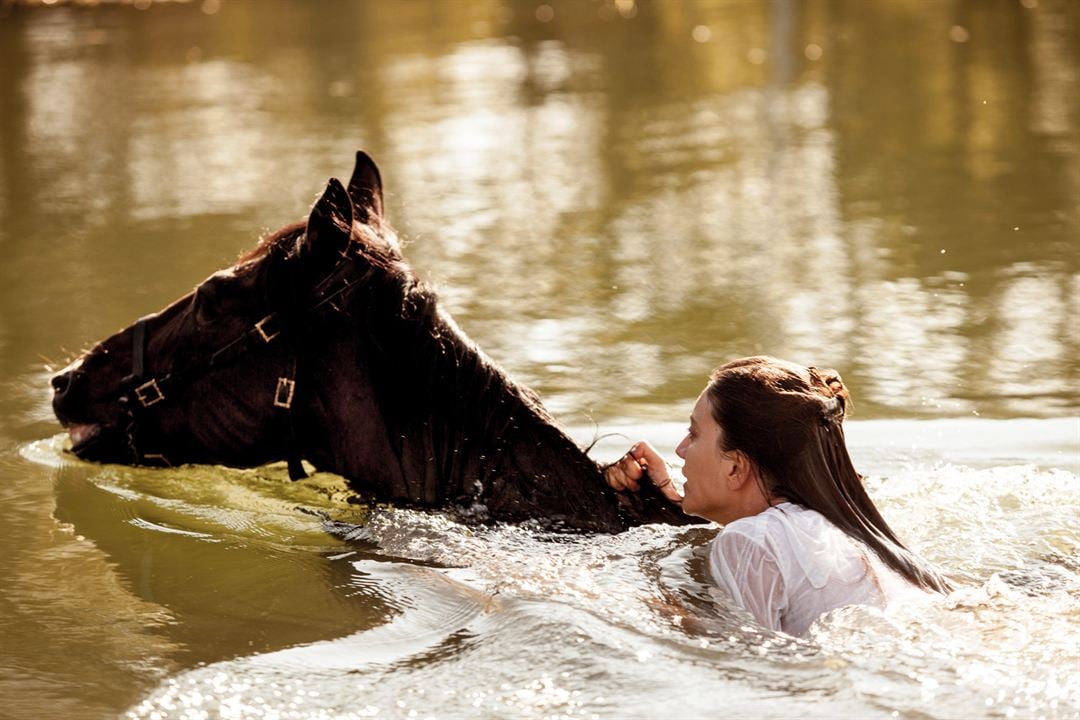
point(455, 411)
point(474, 413)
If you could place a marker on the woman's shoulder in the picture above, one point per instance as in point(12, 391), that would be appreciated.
point(799, 540)
point(778, 521)
point(765, 534)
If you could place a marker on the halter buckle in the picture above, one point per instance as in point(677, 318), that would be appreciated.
point(149, 393)
point(283, 395)
point(267, 335)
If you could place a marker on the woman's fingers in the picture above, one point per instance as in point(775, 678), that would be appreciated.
point(624, 473)
point(640, 460)
point(647, 455)
point(657, 469)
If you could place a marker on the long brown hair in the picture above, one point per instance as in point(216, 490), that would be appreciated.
point(788, 420)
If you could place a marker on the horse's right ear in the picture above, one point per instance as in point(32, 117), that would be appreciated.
point(365, 188)
point(329, 225)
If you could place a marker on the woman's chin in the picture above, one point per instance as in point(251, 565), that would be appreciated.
point(689, 508)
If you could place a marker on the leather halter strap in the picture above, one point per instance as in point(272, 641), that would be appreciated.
point(147, 393)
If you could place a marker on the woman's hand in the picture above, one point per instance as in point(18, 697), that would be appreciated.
point(641, 461)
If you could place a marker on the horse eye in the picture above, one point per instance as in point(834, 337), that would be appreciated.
point(206, 310)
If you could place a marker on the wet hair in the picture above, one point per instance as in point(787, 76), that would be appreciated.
point(788, 420)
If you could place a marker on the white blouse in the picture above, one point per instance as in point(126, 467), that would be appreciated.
point(788, 565)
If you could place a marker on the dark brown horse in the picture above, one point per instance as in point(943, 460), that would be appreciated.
point(323, 345)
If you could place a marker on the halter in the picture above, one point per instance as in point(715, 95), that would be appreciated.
point(137, 403)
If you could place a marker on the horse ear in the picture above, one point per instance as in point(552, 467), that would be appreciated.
point(365, 188)
point(329, 225)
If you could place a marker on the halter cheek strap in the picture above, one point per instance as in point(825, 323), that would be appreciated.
point(146, 394)
point(283, 400)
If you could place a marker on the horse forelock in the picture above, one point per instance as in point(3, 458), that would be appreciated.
point(271, 241)
point(378, 241)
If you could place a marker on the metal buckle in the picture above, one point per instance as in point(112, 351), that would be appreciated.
point(149, 393)
point(283, 395)
point(261, 328)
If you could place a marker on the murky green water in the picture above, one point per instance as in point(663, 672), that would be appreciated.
point(613, 197)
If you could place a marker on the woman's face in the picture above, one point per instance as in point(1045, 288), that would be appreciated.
point(707, 468)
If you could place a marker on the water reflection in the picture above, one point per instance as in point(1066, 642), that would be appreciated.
point(783, 180)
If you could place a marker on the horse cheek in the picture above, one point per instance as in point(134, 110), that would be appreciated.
point(214, 428)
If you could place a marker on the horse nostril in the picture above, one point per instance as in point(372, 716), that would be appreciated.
point(62, 383)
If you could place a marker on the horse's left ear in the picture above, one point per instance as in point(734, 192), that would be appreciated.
point(329, 225)
point(365, 188)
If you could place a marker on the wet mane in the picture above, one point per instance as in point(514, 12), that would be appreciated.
point(429, 367)
point(460, 427)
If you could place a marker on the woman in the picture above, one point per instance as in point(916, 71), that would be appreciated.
point(765, 457)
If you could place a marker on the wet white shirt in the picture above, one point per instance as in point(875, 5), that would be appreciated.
point(789, 565)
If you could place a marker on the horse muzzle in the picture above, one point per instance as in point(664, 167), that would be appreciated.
point(98, 443)
point(71, 398)
point(90, 439)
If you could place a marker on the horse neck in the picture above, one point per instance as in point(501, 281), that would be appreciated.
point(446, 425)
point(500, 444)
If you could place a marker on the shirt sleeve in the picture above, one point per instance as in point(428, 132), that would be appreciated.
point(749, 573)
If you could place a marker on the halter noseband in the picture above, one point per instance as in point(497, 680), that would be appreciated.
point(136, 403)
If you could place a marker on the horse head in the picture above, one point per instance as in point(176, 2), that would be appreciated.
point(212, 377)
point(323, 345)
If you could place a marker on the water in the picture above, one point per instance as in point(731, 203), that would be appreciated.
point(329, 610)
point(610, 208)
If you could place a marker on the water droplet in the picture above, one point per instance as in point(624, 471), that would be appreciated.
point(701, 33)
point(545, 13)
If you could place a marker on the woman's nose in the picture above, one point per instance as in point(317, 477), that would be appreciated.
point(681, 449)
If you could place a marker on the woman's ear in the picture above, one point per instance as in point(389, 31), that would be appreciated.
point(741, 470)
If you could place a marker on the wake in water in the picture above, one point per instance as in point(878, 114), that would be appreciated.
point(518, 621)
point(508, 621)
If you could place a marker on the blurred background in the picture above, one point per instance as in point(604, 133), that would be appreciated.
point(614, 196)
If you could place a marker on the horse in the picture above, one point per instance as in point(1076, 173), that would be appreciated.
point(323, 345)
